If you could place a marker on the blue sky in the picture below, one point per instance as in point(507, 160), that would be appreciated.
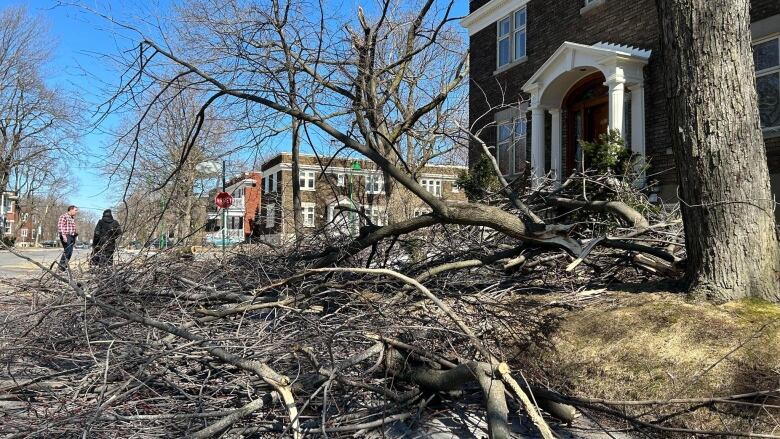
point(78, 40)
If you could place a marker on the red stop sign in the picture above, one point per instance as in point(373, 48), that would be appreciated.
point(223, 200)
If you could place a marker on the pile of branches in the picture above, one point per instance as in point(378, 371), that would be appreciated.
point(417, 334)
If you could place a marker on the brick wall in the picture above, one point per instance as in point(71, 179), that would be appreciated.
point(401, 204)
point(552, 22)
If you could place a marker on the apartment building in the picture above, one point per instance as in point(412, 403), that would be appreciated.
point(576, 68)
point(339, 194)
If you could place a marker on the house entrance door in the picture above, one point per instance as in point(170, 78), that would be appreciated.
point(587, 117)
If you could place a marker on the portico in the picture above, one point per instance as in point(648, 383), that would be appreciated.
point(574, 78)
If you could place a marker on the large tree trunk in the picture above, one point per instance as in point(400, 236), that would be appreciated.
point(726, 202)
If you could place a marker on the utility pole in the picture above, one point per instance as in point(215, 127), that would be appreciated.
point(224, 214)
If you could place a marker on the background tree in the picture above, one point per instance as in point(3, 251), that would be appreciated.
point(36, 123)
point(727, 206)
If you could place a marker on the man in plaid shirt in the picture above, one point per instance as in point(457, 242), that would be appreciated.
point(66, 227)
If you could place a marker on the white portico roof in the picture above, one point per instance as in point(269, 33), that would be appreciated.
point(573, 61)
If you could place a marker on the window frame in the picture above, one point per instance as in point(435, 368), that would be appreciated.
point(375, 180)
point(513, 142)
point(307, 180)
point(510, 36)
point(432, 185)
point(774, 70)
point(306, 210)
point(377, 214)
point(341, 179)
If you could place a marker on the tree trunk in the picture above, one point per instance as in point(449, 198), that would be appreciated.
point(296, 180)
point(719, 150)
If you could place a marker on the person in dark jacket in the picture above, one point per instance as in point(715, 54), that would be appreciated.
point(107, 232)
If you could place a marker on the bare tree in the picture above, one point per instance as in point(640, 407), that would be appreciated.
point(35, 122)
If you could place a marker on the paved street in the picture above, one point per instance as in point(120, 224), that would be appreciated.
point(14, 266)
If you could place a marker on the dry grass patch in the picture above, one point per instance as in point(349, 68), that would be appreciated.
point(659, 346)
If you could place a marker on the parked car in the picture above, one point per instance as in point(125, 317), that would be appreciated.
point(51, 243)
point(82, 244)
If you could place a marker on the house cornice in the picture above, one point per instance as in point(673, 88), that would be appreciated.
point(490, 13)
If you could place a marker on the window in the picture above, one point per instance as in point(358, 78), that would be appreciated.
point(511, 38)
point(766, 56)
point(377, 215)
point(374, 184)
point(420, 211)
point(275, 181)
point(25, 217)
point(270, 215)
point(307, 180)
point(308, 214)
point(9, 225)
point(340, 180)
point(24, 233)
point(511, 146)
point(432, 186)
point(236, 223)
point(455, 187)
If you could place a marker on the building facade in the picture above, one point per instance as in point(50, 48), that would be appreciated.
point(236, 220)
point(575, 69)
point(9, 215)
point(341, 194)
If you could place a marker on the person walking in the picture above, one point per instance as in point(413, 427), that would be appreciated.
point(107, 231)
point(66, 229)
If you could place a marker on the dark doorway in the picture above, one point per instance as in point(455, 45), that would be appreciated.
point(587, 117)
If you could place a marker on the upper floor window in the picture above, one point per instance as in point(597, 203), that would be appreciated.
point(340, 180)
point(511, 38)
point(511, 146)
point(374, 184)
point(432, 186)
point(766, 56)
point(307, 180)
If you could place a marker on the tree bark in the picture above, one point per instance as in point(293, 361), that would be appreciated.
point(718, 147)
point(296, 179)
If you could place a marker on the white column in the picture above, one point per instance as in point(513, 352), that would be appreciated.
point(616, 103)
point(537, 144)
point(638, 125)
point(556, 150)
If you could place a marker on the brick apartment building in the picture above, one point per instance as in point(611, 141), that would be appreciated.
point(245, 189)
point(577, 68)
point(332, 198)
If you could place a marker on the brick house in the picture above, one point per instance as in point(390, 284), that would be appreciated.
point(27, 229)
point(240, 216)
point(337, 198)
point(9, 214)
point(576, 68)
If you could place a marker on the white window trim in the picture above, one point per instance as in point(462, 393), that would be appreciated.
point(304, 208)
point(341, 180)
point(767, 72)
point(270, 215)
point(513, 142)
point(24, 233)
point(511, 36)
point(432, 185)
point(375, 180)
point(307, 180)
point(377, 214)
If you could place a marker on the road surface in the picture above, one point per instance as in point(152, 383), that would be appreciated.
point(14, 266)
